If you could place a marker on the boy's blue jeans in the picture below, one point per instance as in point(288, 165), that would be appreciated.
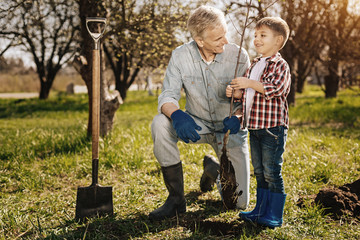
point(267, 148)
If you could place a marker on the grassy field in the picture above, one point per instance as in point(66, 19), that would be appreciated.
point(45, 155)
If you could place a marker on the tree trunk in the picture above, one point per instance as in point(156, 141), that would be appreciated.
point(45, 85)
point(293, 68)
point(331, 86)
point(291, 97)
point(121, 86)
point(44, 90)
point(332, 80)
point(109, 103)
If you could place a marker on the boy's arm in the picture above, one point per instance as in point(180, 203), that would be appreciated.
point(256, 85)
point(278, 82)
point(243, 82)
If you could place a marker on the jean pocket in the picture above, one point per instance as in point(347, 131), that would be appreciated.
point(272, 134)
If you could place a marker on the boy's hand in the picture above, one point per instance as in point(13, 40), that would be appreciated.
point(240, 83)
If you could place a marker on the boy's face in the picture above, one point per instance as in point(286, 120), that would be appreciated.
point(267, 42)
point(213, 40)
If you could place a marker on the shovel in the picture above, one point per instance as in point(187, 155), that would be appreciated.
point(94, 200)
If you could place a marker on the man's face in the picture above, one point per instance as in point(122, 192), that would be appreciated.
point(213, 40)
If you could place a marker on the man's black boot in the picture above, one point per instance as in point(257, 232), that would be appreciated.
point(211, 171)
point(175, 203)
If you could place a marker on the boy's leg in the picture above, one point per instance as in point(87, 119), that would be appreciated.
point(256, 158)
point(273, 145)
point(262, 192)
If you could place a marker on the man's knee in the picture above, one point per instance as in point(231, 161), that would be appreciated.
point(160, 124)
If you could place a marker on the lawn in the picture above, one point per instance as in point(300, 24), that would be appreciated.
point(45, 155)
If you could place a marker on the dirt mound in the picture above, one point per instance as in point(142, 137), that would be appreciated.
point(341, 201)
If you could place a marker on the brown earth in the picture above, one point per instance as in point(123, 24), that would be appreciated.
point(343, 201)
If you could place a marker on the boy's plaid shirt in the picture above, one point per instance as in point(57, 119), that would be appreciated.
point(270, 109)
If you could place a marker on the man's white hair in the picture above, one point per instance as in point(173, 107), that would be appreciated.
point(204, 18)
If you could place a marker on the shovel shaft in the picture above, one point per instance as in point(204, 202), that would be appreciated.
point(95, 103)
point(95, 172)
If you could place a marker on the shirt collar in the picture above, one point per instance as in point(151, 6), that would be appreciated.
point(273, 58)
point(197, 56)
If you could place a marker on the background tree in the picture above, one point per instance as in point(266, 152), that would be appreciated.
point(341, 42)
point(45, 29)
point(143, 34)
point(323, 34)
point(306, 41)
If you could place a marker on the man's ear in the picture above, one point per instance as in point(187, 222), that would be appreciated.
point(199, 41)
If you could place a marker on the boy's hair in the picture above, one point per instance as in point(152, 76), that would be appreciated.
point(205, 17)
point(276, 24)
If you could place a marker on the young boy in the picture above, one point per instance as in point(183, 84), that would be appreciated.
point(265, 113)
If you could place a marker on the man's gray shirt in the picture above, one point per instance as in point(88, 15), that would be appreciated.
point(204, 85)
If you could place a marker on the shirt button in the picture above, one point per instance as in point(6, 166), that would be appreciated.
point(206, 68)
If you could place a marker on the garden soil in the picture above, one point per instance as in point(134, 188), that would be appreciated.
point(343, 201)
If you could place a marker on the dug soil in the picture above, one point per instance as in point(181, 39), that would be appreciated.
point(343, 201)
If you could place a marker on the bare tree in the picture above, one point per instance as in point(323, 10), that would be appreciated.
point(44, 28)
point(143, 33)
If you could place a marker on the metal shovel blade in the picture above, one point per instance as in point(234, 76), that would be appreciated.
point(93, 201)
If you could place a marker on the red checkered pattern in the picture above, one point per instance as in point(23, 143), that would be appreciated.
point(270, 109)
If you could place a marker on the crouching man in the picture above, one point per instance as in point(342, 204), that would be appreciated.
point(203, 68)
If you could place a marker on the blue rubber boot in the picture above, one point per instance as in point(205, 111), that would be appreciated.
point(274, 211)
point(260, 208)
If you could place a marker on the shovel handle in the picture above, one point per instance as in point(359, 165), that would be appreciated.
point(96, 35)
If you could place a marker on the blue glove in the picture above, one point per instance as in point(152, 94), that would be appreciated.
point(232, 124)
point(185, 126)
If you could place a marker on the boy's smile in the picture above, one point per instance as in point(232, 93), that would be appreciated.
point(267, 42)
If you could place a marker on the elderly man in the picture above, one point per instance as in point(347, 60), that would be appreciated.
point(203, 68)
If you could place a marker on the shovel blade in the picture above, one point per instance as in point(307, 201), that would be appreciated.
point(93, 201)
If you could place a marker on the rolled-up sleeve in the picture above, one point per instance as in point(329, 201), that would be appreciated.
point(278, 81)
point(171, 90)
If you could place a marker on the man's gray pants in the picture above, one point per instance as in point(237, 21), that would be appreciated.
point(167, 152)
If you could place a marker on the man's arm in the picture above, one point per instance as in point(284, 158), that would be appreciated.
point(168, 108)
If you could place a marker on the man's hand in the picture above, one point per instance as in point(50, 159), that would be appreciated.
point(185, 126)
point(232, 124)
point(230, 91)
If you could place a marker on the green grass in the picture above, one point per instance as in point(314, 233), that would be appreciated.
point(45, 155)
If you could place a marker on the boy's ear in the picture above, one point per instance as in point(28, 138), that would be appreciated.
point(199, 41)
point(279, 40)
